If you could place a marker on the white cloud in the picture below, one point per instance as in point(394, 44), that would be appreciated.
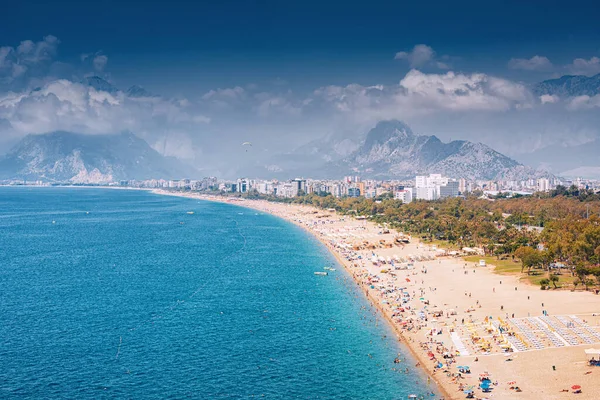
point(581, 66)
point(584, 103)
point(65, 105)
point(419, 93)
point(100, 62)
point(227, 93)
point(420, 55)
point(549, 99)
point(276, 105)
point(27, 57)
point(535, 63)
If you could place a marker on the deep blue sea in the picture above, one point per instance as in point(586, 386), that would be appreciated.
point(123, 294)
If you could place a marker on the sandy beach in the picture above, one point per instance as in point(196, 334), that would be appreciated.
point(528, 343)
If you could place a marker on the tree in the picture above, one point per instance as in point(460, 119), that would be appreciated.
point(582, 273)
point(544, 282)
point(529, 257)
point(554, 279)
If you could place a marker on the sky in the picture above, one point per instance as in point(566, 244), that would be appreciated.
point(283, 74)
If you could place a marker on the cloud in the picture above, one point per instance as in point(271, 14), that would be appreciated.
point(549, 99)
point(100, 62)
point(583, 103)
point(270, 105)
point(420, 56)
point(581, 66)
point(71, 106)
point(28, 58)
point(227, 93)
point(535, 63)
point(419, 94)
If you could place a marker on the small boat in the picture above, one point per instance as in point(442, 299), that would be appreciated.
point(321, 273)
point(190, 212)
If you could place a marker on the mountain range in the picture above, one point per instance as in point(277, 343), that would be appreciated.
point(78, 158)
point(389, 150)
point(569, 86)
point(392, 150)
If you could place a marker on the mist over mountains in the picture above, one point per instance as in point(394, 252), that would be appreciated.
point(78, 158)
point(389, 150)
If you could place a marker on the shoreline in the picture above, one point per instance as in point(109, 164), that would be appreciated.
point(449, 278)
point(465, 313)
point(344, 263)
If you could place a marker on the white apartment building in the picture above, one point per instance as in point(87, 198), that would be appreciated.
point(406, 195)
point(543, 184)
point(427, 193)
point(428, 187)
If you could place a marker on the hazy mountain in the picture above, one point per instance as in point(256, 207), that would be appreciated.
point(138, 91)
point(569, 86)
point(391, 149)
point(65, 156)
point(100, 84)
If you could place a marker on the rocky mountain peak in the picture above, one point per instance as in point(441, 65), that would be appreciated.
point(100, 84)
point(388, 130)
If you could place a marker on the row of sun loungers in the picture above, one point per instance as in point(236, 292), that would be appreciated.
point(547, 332)
point(531, 337)
point(561, 330)
point(585, 326)
point(578, 331)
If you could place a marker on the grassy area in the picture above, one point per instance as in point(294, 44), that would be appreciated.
point(510, 267)
point(441, 244)
point(503, 267)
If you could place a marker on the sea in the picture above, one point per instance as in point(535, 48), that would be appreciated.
point(110, 294)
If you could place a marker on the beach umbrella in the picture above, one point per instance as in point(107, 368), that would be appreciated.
point(575, 387)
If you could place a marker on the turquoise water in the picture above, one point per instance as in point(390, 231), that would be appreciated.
point(106, 294)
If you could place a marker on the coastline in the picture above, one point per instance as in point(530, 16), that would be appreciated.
point(370, 298)
point(449, 278)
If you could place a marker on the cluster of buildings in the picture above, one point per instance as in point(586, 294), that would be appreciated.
point(423, 187)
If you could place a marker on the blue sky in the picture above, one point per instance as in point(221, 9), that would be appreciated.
point(284, 74)
point(164, 45)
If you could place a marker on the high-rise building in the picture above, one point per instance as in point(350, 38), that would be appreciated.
point(429, 187)
point(450, 189)
point(462, 185)
point(543, 184)
point(353, 192)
